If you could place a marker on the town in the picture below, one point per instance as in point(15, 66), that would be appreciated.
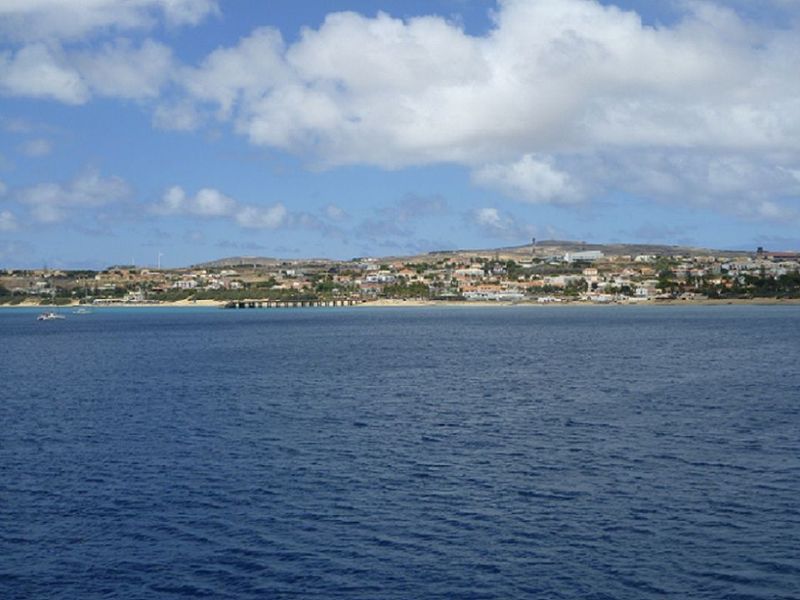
point(549, 272)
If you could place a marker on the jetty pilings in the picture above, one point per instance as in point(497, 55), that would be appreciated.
point(244, 304)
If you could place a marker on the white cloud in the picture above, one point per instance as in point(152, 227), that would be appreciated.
point(38, 72)
point(172, 203)
point(211, 203)
point(489, 217)
point(48, 59)
point(116, 69)
point(256, 217)
point(8, 222)
point(503, 226)
point(36, 148)
point(554, 86)
point(245, 73)
point(56, 19)
point(53, 202)
point(208, 202)
point(119, 69)
point(530, 179)
point(177, 116)
point(721, 180)
point(766, 210)
point(770, 210)
point(551, 75)
point(560, 101)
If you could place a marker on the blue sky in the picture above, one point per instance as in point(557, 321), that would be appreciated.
point(208, 128)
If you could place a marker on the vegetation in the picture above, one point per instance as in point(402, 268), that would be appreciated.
point(57, 301)
point(436, 277)
point(267, 283)
point(755, 286)
point(576, 288)
point(403, 290)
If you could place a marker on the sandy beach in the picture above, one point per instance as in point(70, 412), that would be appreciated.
point(397, 303)
point(394, 303)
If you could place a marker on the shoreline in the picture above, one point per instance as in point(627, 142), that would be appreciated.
point(496, 304)
point(397, 303)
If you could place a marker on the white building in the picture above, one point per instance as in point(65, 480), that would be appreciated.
point(491, 295)
point(588, 255)
point(185, 284)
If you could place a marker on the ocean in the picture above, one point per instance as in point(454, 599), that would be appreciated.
point(568, 452)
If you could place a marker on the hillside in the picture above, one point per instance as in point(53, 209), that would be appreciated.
point(543, 248)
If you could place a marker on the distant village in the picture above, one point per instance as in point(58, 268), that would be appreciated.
point(533, 274)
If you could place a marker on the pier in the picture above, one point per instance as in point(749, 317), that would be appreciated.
point(237, 304)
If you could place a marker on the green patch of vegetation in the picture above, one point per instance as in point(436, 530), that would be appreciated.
point(171, 295)
point(403, 290)
point(752, 286)
point(576, 288)
point(265, 284)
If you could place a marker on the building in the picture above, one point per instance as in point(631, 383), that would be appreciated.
point(588, 256)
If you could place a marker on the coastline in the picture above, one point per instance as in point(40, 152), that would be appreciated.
point(398, 303)
point(494, 304)
point(74, 305)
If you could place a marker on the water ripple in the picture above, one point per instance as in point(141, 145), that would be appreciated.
point(590, 453)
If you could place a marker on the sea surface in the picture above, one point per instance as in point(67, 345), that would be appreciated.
point(591, 453)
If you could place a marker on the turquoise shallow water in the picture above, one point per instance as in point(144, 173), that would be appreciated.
point(603, 452)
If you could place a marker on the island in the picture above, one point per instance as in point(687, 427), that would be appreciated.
point(546, 273)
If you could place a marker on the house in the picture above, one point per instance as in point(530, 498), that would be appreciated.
point(588, 255)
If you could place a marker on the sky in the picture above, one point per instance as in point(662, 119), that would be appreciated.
point(193, 130)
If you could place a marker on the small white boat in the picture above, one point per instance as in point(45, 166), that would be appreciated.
point(82, 311)
point(50, 316)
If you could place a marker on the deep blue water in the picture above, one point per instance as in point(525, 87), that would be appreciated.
point(585, 453)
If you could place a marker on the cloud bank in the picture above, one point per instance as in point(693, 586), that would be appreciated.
point(26, 20)
point(211, 203)
point(55, 202)
point(559, 102)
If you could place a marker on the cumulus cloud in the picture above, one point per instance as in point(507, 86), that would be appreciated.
point(208, 202)
point(492, 222)
point(54, 202)
point(116, 69)
point(559, 101)
point(120, 69)
point(244, 74)
point(488, 217)
point(211, 203)
point(735, 183)
point(176, 116)
point(530, 179)
point(552, 74)
point(55, 19)
point(256, 217)
point(37, 71)
point(48, 56)
point(553, 87)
